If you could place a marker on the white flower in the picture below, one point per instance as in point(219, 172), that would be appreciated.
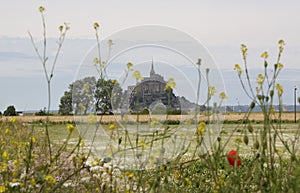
point(85, 179)
point(14, 184)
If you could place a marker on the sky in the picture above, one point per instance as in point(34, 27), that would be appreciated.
point(220, 26)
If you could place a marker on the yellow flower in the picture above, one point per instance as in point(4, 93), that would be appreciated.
point(279, 89)
point(33, 139)
point(280, 65)
point(96, 25)
point(170, 84)
point(265, 55)
point(110, 43)
point(41, 9)
point(201, 128)
point(112, 127)
point(281, 45)
point(238, 140)
point(2, 189)
point(137, 75)
point(50, 179)
point(7, 131)
point(5, 155)
point(223, 95)
point(244, 49)
point(129, 175)
point(211, 90)
point(92, 119)
point(70, 128)
point(143, 144)
point(96, 60)
point(238, 69)
point(13, 119)
point(260, 79)
point(129, 65)
point(154, 122)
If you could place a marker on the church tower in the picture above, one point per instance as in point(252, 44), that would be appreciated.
point(152, 72)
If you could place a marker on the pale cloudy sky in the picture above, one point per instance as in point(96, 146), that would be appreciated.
point(219, 25)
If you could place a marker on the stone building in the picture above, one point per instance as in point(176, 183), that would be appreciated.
point(150, 93)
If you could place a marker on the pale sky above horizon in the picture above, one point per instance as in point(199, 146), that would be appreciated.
point(213, 22)
point(221, 26)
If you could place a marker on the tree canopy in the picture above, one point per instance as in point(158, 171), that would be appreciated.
point(10, 111)
point(90, 96)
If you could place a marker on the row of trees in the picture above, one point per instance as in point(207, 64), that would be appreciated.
point(90, 95)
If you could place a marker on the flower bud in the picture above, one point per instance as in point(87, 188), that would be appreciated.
point(256, 145)
point(250, 128)
point(252, 105)
point(246, 139)
point(271, 93)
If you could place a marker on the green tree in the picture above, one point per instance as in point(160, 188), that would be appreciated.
point(107, 92)
point(65, 106)
point(10, 111)
point(87, 95)
point(83, 95)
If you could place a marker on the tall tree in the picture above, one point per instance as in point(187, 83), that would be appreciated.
point(106, 93)
point(86, 96)
point(65, 106)
point(10, 111)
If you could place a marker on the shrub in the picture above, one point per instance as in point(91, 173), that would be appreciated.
point(10, 111)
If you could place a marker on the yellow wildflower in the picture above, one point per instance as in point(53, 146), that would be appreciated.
point(170, 84)
point(41, 9)
point(110, 43)
point(92, 119)
point(279, 89)
point(280, 65)
point(211, 90)
point(7, 131)
point(13, 119)
point(260, 79)
point(129, 175)
point(5, 155)
point(143, 144)
point(96, 25)
point(137, 75)
point(223, 95)
point(112, 127)
point(33, 139)
point(70, 128)
point(201, 128)
point(129, 65)
point(238, 140)
point(50, 179)
point(96, 60)
point(281, 45)
point(238, 69)
point(244, 49)
point(2, 189)
point(265, 55)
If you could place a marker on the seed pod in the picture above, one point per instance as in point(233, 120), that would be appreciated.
point(252, 105)
point(246, 139)
point(271, 93)
point(250, 128)
point(256, 145)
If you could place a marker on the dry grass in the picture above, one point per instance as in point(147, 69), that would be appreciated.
point(145, 118)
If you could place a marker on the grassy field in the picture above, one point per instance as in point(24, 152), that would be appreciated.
point(144, 118)
point(27, 165)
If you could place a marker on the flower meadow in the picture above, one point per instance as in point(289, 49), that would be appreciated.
point(248, 156)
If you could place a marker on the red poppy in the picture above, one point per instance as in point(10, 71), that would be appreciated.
point(233, 157)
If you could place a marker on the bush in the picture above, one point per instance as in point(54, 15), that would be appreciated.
point(10, 111)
